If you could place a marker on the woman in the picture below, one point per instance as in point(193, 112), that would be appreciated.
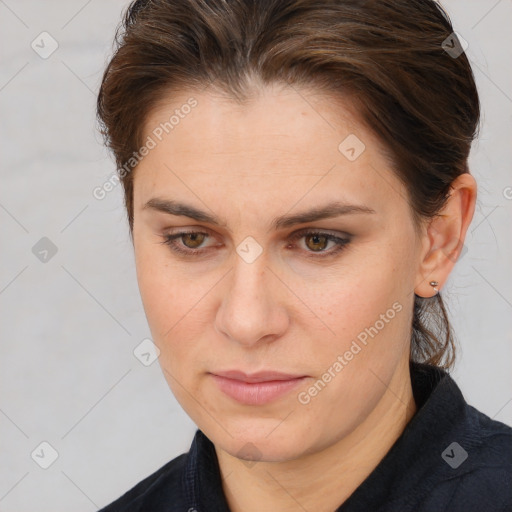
point(297, 189)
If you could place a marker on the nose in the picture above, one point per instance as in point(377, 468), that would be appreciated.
point(252, 310)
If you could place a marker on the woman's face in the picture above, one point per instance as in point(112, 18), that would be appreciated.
point(255, 289)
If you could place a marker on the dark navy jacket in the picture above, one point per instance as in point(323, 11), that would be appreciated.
point(450, 458)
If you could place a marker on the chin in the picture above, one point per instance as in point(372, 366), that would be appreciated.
point(262, 449)
point(261, 439)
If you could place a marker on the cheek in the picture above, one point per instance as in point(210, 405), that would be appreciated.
point(163, 295)
point(352, 294)
point(352, 368)
point(173, 321)
point(365, 305)
point(176, 307)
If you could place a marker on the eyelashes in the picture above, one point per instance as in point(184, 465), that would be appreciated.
point(175, 243)
point(339, 242)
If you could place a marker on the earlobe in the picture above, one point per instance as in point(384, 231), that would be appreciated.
point(444, 237)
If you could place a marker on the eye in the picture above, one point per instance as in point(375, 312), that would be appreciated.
point(191, 240)
point(316, 243)
point(189, 243)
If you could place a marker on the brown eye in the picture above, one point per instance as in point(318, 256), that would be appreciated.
point(195, 239)
point(187, 243)
point(316, 242)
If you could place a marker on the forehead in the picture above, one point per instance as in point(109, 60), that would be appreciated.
point(282, 144)
point(290, 122)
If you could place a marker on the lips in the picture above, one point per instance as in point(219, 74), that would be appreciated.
point(264, 376)
point(256, 388)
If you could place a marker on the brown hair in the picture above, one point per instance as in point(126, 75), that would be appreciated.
point(388, 56)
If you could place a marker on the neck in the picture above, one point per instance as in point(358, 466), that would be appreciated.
point(321, 481)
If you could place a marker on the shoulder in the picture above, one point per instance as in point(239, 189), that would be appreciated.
point(488, 440)
point(480, 467)
point(158, 492)
point(458, 458)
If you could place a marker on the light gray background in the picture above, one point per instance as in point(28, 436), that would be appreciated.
point(69, 326)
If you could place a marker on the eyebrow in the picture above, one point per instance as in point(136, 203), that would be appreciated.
point(334, 209)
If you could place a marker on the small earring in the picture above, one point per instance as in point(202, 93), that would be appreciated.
point(434, 284)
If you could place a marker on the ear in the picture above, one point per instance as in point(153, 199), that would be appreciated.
point(443, 240)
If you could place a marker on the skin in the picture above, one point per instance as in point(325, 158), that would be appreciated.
point(287, 310)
